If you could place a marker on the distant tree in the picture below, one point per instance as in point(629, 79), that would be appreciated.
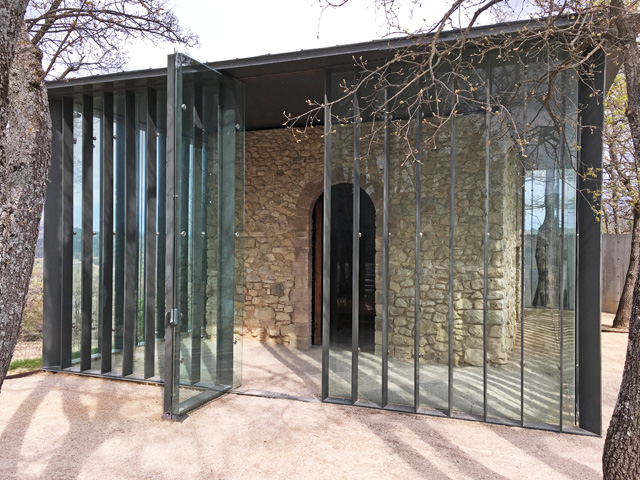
point(54, 39)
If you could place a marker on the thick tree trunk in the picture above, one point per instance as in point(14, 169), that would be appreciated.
point(621, 456)
point(623, 314)
point(24, 165)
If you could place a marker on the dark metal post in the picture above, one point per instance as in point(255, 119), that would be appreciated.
point(53, 238)
point(67, 233)
point(106, 226)
point(130, 250)
point(170, 376)
point(487, 159)
point(87, 231)
point(452, 190)
point(417, 265)
point(590, 93)
point(355, 261)
point(326, 238)
point(385, 252)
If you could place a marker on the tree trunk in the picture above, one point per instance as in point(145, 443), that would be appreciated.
point(623, 314)
point(25, 150)
point(621, 456)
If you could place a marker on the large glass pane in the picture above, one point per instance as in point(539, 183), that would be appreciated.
point(76, 295)
point(542, 322)
point(239, 285)
point(372, 161)
point(161, 228)
point(341, 248)
point(141, 230)
point(468, 138)
point(434, 261)
point(503, 281)
point(208, 210)
point(96, 327)
point(402, 220)
point(569, 227)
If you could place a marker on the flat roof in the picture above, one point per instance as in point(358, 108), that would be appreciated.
point(285, 81)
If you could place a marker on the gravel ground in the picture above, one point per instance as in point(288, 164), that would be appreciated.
point(58, 426)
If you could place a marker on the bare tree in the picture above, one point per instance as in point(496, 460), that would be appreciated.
point(75, 36)
point(90, 36)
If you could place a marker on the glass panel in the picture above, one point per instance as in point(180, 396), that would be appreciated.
point(161, 228)
point(543, 205)
point(238, 308)
point(402, 215)
point(371, 241)
point(468, 263)
point(141, 230)
point(96, 326)
point(434, 260)
point(504, 295)
point(341, 258)
point(76, 298)
point(209, 219)
point(569, 254)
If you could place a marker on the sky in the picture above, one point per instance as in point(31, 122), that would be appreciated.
point(230, 29)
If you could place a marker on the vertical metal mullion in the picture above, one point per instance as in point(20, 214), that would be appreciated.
point(151, 237)
point(452, 184)
point(170, 382)
point(416, 279)
point(67, 233)
point(53, 240)
point(130, 250)
point(385, 253)
point(87, 232)
point(487, 157)
point(326, 238)
point(106, 268)
point(355, 284)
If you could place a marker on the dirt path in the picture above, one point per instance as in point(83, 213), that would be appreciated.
point(62, 426)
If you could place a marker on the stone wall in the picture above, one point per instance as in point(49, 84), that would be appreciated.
point(283, 181)
point(503, 285)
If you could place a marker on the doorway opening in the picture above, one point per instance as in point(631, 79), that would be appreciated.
point(341, 269)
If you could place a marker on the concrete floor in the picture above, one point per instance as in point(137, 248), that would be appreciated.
point(276, 369)
point(59, 426)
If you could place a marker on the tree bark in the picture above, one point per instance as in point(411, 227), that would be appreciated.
point(25, 151)
point(621, 456)
point(623, 313)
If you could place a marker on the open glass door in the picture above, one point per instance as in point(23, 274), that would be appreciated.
point(205, 232)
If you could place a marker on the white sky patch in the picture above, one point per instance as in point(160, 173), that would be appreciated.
point(247, 28)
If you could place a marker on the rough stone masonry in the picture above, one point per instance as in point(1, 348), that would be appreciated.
point(283, 182)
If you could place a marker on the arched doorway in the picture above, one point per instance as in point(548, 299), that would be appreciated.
point(341, 272)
